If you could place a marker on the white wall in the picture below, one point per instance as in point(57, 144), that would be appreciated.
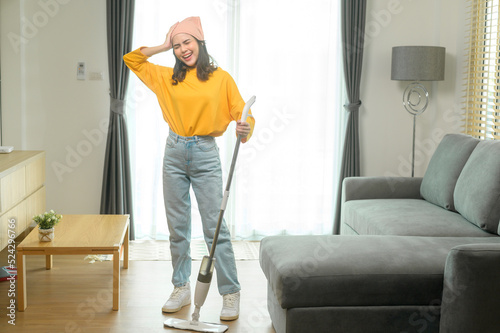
point(386, 127)
point(44, 106)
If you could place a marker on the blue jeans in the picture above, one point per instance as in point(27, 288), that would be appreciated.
point(194, 161)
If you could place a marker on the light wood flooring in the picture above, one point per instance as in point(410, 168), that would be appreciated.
point(76, 296)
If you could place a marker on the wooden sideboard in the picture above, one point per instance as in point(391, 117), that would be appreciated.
point(22, 191)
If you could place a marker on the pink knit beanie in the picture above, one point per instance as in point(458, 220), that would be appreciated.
point(191, 25)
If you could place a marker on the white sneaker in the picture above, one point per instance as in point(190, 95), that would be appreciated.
point(181, 296)
point(230, 307)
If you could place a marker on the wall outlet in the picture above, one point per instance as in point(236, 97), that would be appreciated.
point(96, 76)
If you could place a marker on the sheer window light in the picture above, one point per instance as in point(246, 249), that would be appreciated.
point(288, 54)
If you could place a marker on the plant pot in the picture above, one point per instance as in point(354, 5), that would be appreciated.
point(46, 235)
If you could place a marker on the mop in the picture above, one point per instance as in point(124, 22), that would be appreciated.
point(207, 264)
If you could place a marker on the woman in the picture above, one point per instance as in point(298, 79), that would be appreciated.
point(198, 101)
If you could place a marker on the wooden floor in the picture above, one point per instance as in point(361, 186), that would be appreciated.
point(76, 296)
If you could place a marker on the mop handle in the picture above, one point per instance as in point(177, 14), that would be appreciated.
point(246, 108)
point(244, 115)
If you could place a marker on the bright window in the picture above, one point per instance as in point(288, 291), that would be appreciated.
point(288, 54)
point(482, 117)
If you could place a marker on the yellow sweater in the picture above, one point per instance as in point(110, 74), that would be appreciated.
point(191, 107)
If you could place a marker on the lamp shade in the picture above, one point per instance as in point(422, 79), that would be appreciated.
point(418, 63)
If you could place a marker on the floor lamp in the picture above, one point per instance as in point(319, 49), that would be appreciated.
point(417, 63)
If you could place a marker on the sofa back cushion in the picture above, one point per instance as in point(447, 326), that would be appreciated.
point(438, 184)
point(477, 193)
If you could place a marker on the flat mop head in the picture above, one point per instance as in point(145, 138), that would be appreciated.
point(197, 326)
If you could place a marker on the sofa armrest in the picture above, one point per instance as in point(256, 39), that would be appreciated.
point(359, 188)
point(471, 291)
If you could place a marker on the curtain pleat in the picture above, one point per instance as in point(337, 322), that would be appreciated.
point(116, 195)
point(353, 16)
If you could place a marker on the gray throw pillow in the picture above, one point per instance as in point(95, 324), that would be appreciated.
point(477, 193)
point(444, 168)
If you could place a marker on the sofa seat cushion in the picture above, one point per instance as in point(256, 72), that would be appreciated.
point(334, 270)
point(406, 217)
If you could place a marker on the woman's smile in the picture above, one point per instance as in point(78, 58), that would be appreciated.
point(187, 56)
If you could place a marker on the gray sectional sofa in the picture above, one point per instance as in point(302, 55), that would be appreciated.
point(414, 254)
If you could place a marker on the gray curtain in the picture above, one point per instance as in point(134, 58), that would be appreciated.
point(353, 14)
point(116, 195)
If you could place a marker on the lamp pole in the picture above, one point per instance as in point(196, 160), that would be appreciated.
point(415, 101)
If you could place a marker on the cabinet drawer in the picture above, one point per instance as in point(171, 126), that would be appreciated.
point(35, 205)
point(17, 214)
point(35, 175)
point(12, 188)
point(22, 191)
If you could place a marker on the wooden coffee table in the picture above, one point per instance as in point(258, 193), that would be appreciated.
point(78, 234)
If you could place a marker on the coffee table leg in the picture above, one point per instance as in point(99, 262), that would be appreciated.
point(21, 282)
point(116, 279)
point(125, 248)
point(48, 261)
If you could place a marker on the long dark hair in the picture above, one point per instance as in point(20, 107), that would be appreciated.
point(204, 66)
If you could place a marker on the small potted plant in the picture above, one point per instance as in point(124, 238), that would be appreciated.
point(46, 223)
